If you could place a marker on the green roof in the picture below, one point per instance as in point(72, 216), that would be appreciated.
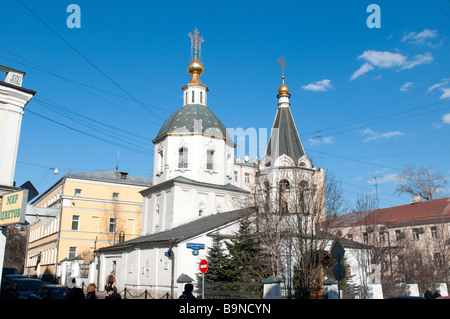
point(182, 122)
point(289, 142)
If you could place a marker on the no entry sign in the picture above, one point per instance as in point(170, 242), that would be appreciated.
point(203, 266)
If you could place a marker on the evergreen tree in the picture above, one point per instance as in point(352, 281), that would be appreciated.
point(217, 262)
point(244, 259)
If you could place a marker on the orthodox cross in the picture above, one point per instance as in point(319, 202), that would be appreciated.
point(283, 64)
point(196, 42)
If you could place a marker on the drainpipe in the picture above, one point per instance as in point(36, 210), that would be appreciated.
point(172, 276)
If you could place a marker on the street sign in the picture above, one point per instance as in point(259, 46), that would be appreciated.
point(338, 251)
point(203, 266)
point(339, 272)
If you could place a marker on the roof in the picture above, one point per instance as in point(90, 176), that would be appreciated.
point(183, 122)
point(289, 142)
point(112, 175)
point(186, 231)
point(415, 212)
point(184, 180)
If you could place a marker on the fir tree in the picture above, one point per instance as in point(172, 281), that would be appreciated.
point(244, 260)
point(217, 263)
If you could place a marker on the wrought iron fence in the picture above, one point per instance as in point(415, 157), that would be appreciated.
point(233, 290)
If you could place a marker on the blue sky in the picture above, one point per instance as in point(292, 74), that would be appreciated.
point(366, 101)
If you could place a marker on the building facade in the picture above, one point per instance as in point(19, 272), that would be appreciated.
point(408, 243)
point(81, 213)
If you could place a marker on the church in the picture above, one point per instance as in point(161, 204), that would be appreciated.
point(194, 196)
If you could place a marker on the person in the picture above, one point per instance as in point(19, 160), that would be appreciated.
point(91, 292)
point(436, 294)
point(187, 293)
point(110, 281)
point(428, 294)
point(111, 293)
point(74, 292)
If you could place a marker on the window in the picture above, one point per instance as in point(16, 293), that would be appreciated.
point(365, 238)
point(247, 178)
point(192, 96)
point(434, 232)
point(72, 252)
point(75, 222)
point(210, 159)
point(161, 161)
point(115, 196)
point(112, 225)
point(185, 98)
point(381, 236)
point(77, 192)
point(398, 235)
point(415, 234)
point(201, 97)
point(183, 157)
point(235, 176)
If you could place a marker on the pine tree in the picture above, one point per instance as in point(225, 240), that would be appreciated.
point(217, 263)
point(244, 259)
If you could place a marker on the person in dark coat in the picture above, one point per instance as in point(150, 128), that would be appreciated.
point(74, 292)
point(187, 293)
point(111, 293)
point(428, 294)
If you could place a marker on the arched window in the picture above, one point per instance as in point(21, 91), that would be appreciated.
point(183, 157)
point(192, 96)
point(210, 159)
point(201, 97)
point(284, 186)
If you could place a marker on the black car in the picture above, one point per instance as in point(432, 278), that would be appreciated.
point(21, 288)
point(50, 292)
point(6, 281)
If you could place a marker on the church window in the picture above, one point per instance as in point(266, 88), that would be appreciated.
point(183, 157)
point(192, 96)
point(247, 178)
point(210, 159)
point(201, 97)
point(200, 212)
point(235, 176)
point(161, 161)
point(185, 98)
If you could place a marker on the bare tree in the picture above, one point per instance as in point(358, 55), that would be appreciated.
point(424, 182)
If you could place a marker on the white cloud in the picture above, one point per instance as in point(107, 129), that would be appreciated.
point(383, 59)
point(405, 87)
point(442, 86)
point(318, 86)
point(324, 140)
point(446, 118)
point(422, 38)
point(418, 60)
point(446, 94)
point(386, 59)
point(366, 67)
point(373, 135)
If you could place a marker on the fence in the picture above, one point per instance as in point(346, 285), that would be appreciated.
point(233, 290)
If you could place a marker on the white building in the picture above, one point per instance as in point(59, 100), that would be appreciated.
point(194, 194)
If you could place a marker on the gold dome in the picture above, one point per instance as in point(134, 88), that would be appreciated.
point(195, 69)
point(283, 90)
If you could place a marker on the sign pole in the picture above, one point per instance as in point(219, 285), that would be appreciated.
point(203, 286)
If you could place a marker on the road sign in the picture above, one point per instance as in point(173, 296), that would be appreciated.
point(203, 266)
point(339, 272)
point(338, 251)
